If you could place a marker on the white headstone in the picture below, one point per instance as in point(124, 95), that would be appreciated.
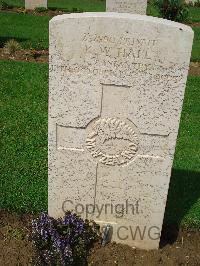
point(32, 4)
point(127, 6)
point(191, 1)
point(116, 90)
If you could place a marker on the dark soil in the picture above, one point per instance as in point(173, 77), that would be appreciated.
point(194, 69)
point(184, 251)
point(194, 24)
point(26, 55)
point(16, 247)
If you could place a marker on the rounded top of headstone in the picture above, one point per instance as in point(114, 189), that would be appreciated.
point(129, 16)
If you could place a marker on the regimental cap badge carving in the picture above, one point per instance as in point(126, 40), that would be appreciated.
point(112, 141)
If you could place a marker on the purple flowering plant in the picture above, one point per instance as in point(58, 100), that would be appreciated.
point(64, 241)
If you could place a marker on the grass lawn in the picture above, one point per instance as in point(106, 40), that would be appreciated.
point(196, 45)
point(24, 97)
point(23, 94)
point(29, 30)
point(194, 14)
point(84, 5)
point(18, 3)
point(184, 194)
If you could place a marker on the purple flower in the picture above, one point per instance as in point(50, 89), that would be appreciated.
point(63, 240)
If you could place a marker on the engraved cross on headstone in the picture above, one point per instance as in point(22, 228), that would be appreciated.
point(104, 132)
point(109, 140)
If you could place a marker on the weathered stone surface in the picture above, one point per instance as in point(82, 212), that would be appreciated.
point(127, 6)
point(32, 4)
point(116, 89)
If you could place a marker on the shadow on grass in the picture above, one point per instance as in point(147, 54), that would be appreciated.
point(184, 191)
point(3, 40)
